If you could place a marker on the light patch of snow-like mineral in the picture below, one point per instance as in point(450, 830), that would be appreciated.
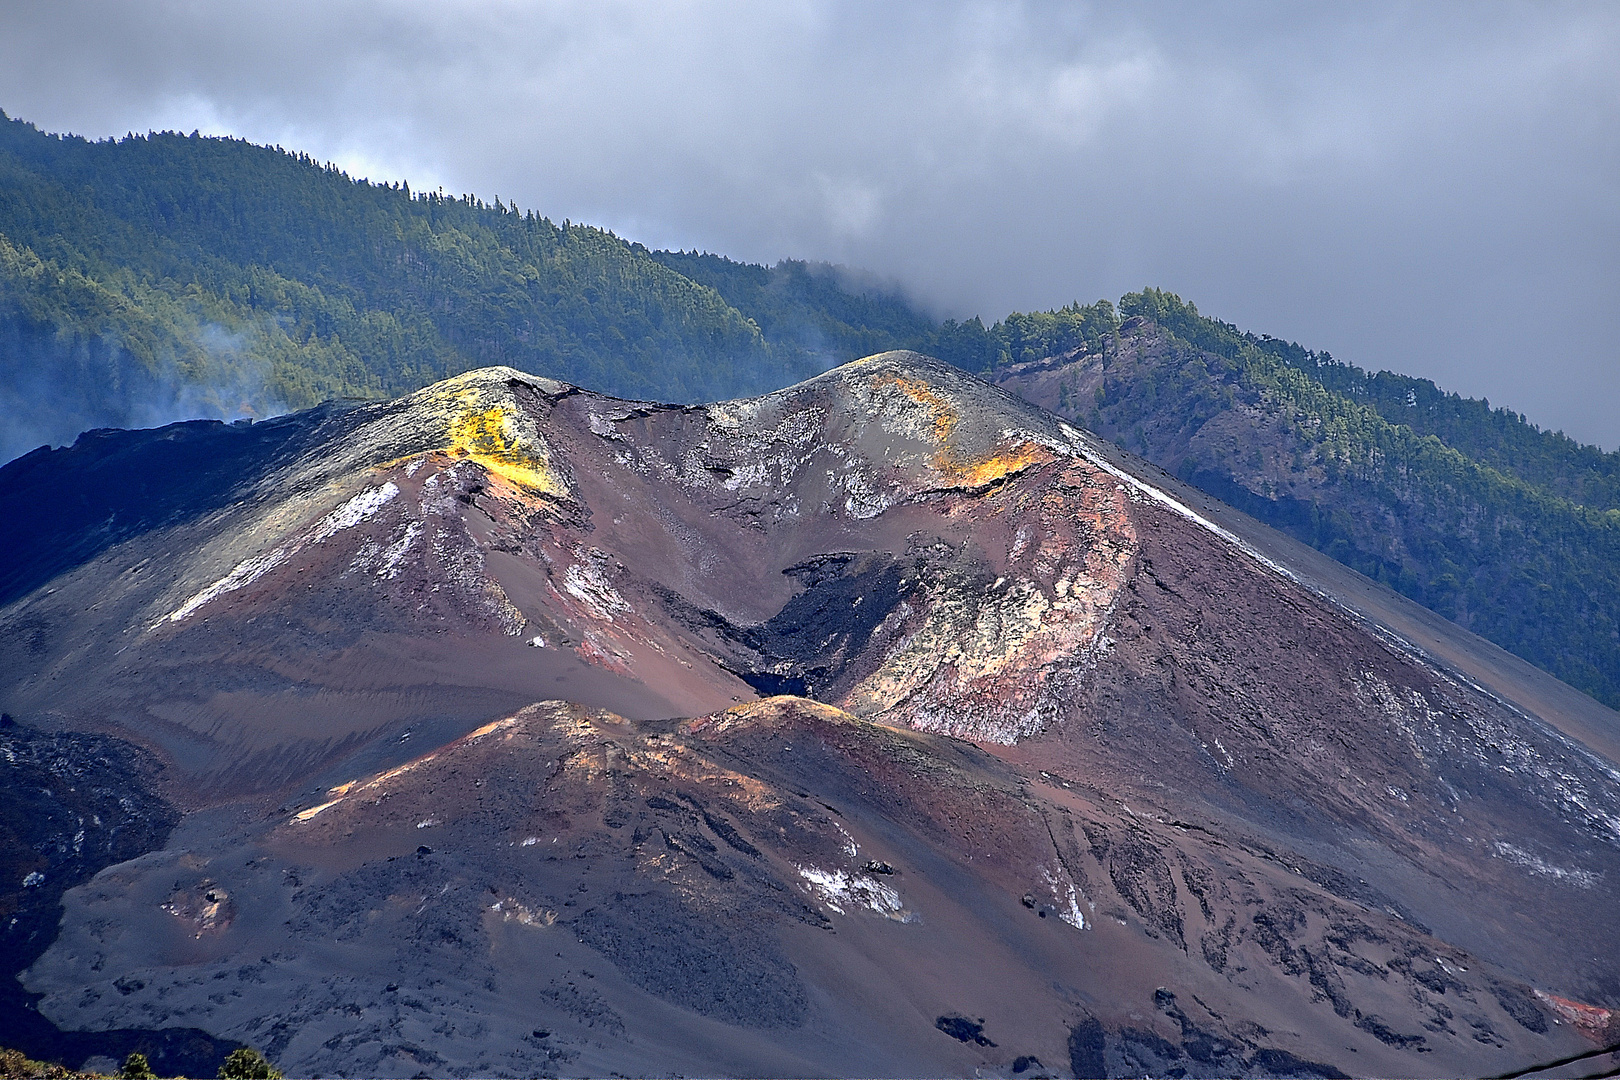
point(1585, 879)
point(244, 574)
point(587, 582)
point(354, 511)
point(1067, 896)
point(839, 889)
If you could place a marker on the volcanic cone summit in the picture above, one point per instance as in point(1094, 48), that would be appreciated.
point(882, 724)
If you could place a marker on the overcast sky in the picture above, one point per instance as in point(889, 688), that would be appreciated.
point(1429, 188)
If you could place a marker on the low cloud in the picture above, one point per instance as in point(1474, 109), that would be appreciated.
point(1430, 188)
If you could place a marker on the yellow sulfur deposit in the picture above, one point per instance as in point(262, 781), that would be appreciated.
point(487, 437)
point(475, 417)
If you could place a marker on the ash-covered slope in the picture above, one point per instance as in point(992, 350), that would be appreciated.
point(1215, 811)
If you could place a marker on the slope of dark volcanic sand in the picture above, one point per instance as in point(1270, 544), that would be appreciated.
point(71, 805)
point(1462, 655)
point(1437, 794)
point(779, 889)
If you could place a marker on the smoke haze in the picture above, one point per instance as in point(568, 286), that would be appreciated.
point(52, 389)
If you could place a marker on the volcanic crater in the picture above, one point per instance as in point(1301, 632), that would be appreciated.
point(883, 725)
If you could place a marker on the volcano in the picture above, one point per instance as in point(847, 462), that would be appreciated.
point(883, 725)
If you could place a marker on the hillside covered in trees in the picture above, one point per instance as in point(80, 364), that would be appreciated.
point(163, 276)
point(1471, 511)
point(151, 277)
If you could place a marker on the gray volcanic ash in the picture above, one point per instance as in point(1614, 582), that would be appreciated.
point(1080, 776)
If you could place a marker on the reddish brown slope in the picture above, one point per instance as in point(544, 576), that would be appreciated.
point(777, 889)
point(1277, 836)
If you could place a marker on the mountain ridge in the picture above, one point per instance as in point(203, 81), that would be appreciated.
point(163, 276)
point(1529, 568)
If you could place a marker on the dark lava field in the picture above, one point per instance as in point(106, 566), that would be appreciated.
point(885, 725)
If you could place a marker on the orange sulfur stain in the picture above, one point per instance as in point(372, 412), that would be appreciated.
point(1000, 466)
point(944, 416)
point(966, 472)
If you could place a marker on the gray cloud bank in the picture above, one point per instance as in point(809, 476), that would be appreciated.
point(1429, 188)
